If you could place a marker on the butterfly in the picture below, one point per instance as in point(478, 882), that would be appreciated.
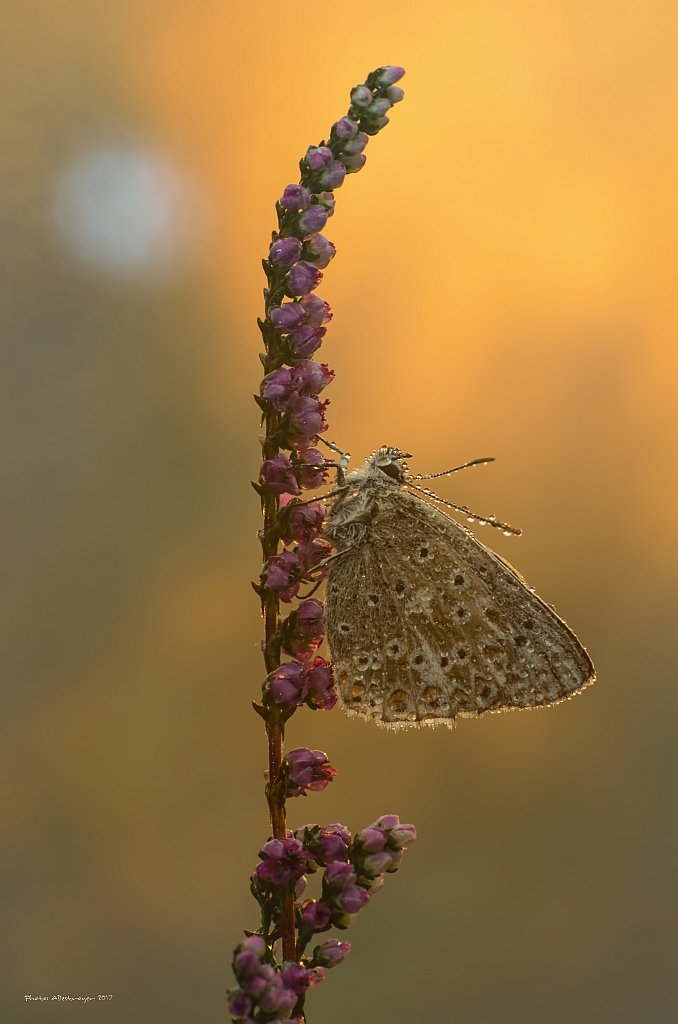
point(425, 624)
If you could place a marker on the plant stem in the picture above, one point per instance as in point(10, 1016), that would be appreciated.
point(275, 726)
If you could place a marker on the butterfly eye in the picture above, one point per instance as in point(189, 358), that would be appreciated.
point(393, 470)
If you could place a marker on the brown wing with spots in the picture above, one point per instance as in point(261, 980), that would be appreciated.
point(425, 624)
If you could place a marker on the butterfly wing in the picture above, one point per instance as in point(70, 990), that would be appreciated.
point(425, 624)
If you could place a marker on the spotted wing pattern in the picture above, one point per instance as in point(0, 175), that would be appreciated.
point(426, 625)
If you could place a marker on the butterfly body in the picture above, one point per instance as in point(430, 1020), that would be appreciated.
point(424, 623)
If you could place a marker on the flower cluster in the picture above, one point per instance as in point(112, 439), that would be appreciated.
point(299, 525)
point(295, 683)
point(266, 992)
point(353, 869)
point(294, 415)
point(296, 318)
point(307, 770)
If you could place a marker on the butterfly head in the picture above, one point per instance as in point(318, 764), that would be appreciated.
point(388, 464)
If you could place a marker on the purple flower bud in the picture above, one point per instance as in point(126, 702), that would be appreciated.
point(394, 93)
point(256, 985)
point(318, 157)
point(333, 842)
point(318, 250)
point(310, 619)
point(320, 693)
point(389, 74)
point(355, 145)
point(331, 845)
point(302, 278)
point(309, 770)
point(376, 863)
point(327, 201)
point(240, 1005)
point(295, 977)
point(278, 999)
point(283, 861)
point(307, 417)
point(284, 573)
point(338, 831)
point(287, 685)
point(302, 523)
point(327, 844)
point(309, 474)
point(294, 641)
point(315, 916)
point(402, 835)
point(353, 899)
point(285, 251)
point(313, 553)
point(344, 129)
point(278, 476)
point(310, 378)
point(306, 340)
point(333, 175)
point(278, 388)
point(340, 876)
point(371, 840)
point(387, 822)
point(254, 944)
point(331, 953)
point(313, 219)
point(379, 107)
point(354, 163)
point(288, 316)
point(375, 124)
point(361, 96)
point(245, 964)
point(295, 198)
point(316, 310)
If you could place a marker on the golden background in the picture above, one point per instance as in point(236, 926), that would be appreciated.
point(504, 285)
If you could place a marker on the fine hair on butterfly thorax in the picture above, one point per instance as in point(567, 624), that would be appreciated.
point(426, 624)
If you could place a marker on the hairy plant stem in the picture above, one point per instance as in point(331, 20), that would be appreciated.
point(274, 720)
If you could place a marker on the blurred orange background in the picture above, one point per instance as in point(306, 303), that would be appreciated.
point(504, 285)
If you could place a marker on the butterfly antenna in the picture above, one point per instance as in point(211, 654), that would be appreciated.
point(449, 472)
point(472, 517)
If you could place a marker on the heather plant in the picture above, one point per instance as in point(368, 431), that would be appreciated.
point(276, 964)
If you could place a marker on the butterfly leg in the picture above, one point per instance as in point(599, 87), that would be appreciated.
point(321, 497)
point(344, 457)
point(321, 565)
